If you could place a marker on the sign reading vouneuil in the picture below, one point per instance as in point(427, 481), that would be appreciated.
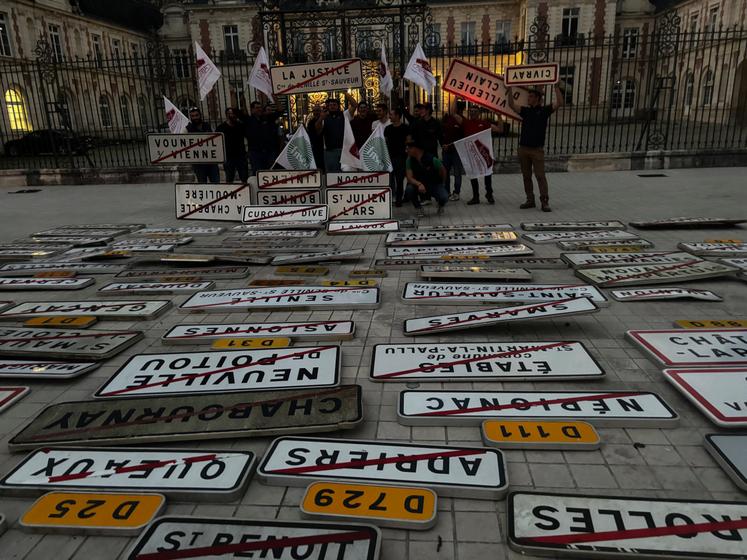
point(693, 347)
point(197, 201)
point(172, 149)
point(328, 75)
point(720, 394)
point(532, 74)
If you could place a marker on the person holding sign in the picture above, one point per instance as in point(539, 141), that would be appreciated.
point(535, 118)
point(204, 172)
point(472, 125)
point(426, 176)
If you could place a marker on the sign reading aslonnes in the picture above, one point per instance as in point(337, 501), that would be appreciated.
point(170, 149)
point(328, 75)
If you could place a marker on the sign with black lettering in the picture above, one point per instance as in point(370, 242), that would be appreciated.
point(10, 395)
point(358, 179)
point(43, 369)
point(532, 74)
point(257, 235)
point(620, 526)
point(369, 226)
point(572, 226)
point(198, 201)
point(111, 310)
point(466, 472)
point(597, 260)
point(136, 420)
point(582, 235)
point(459, 252)
point(686, 271)
point(206, 333)
point(148, 288)
point(286, 178)
point(185, 474)
point(36, 284)
point(685, 222)
point(629, 245)
point(425, 238)
point(359, 203)
point(326, 256)
point(720, 394)
point(542, 434)
point(715, 249)
point(299, 213)
point(74, 240)
point(467, 227)
point(693, 347)
point(31, 269)
point(174, 149)
point(736, 263)
point(274, 197)
point(67, 344)
point(416, 263)
point(475, 272)
point(221, 371)
point(209, 272)
point(20, 254)
point(470, 408)
point(281, 223)
point(193, 537)
point(653, 294)
point(446, 293)
point(712, 324)
point(329, 75)
point(83, 232)
point(730, 452)
point(483, 361)
point(194, 231)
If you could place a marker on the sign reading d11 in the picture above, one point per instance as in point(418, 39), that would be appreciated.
point(172, 149)
point(532, 74)
point(693, 347)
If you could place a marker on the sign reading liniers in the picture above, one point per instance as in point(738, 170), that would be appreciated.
point(66, 344)
point(221, 371)
point(330, 75)
point(483, 361)
point(299, 213)
point(184, 474)
point(358, 179)
point(355, 203)
point(532, 74)
point(619, 526)
point(456, 294)
point(693, 347)
point(211, 202)
point(111, 310)
point(171, 149)
point(467, 472)
point(206, 333)
point(720, 394)
point(193, 537)
point(283, 179)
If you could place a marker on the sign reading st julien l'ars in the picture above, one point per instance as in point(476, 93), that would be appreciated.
point(474, 272)
point(651, 294)
point(358, 179)
point(359, 203)
point(192, 537)
point(619, 526)
point(15, 368)
point(29, 269)
point(193, 417)
point(65, 343)
point(484, 361)
point(221, 371)
point(644, 274)
point(719, 393)
point(583, 235)
point(715, 249)
point(329, 75)
point(206, 333)
point(312, 297)
point(298, 213)
point(730, 451)
point(439, 251)
point(211, 202)
point(38, 284)
point(288, 179)
point(470, 408)
point(111, 310)
point(424, 238)
point(687, 222)
point(187, 474)
point(369, 226)
point(444, 293)
point(572, 226)
point(212, 272)
point(693, 347)
point(597, 260)
point(171, 149)
point(468, 472)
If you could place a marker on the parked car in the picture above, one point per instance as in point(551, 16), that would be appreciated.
point(45, 141)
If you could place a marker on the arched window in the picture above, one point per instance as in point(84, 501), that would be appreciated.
point(124, 110)
point(707, 87)
point(689, 89)
point(18, 115)
point(105, 111)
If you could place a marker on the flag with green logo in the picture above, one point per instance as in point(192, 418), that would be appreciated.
point(374, 155)
point(297, 153)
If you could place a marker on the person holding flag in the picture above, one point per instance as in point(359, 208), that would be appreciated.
point(298, 152)
point(234, 138)
point(259, 77)
point(471, 126)
point(386, 84)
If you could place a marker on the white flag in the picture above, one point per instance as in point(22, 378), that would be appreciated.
point(259, 77)
point(419, 70)
point(476, 153)
point(385, 78)
point(374, 155)
point(176, 119)
point(298, 153)
point(350, 152)
point(207, 72)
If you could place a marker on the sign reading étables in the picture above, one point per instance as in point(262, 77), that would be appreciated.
point(483, 361)
point(198, 201)
point(619, 526)
point(43, 369)
point(369, 226)
point(221, 371)
point(532, 74)
point(583, 235)
point(328, 75)
point(686, 271)
point(650, 294)
point(446, 293)
point(206, 333)
point(172, 149)
point(10, 395)
point(275, 197)
point(65, 343)
point(470, 408)
point(37, 284)
point(358, 179)
point(730, 451)
point(299, 213)
point(419, 238)
point(720, 394)
point(544, 434)
point(187, 474)
point(111, 310)
point(467, 472)
point(693, 347)
point(147, 288)
point(283, 179)
point(359, 203)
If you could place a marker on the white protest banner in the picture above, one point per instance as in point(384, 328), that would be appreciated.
point(386, 83)
point(298, 153)
point(291, 213)
point(206, 333)
point(374, 154)
point(359, 203)
point(259, 77)
point(693, 347)
point(419, 70)
point(448, 293)
point(358, 179)
point(287, 178)
point(350, 156)
point(532, 74)
point(720, 394)
point(328, 75)
point(207, 72)
point(476, 154)
point(176, 120)
point(173, 149)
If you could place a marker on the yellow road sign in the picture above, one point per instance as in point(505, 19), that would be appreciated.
point(302, 270)
point(62, 322)
point(368, 272)
point(89, 512)
point(712, 324)
point(270, 282)
point(56, 274)
point(244, 343)
point(543, 434)
point(388, 506)
point(369, 283)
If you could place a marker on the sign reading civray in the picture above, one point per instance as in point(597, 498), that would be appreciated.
point(285, 178)
point(532, 74)
point(328, 75)
point(172, 149)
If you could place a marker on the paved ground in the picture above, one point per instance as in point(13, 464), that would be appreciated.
point(632, 462)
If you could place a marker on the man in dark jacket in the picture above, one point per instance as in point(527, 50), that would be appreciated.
point(426, 176)
point(234, 136)
point(427, 131)
point(262, 134)
point(204, 172)
point(396, 136)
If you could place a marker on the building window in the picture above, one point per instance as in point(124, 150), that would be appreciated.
point(723, 88)
point(567, 76)
point(124, 110)
point(570, 21)
point(623, 94)
point(105, 111)
point(116, 49)
point(182, 67)
point(63, 109)
point(469, 37)
point(503, 31)
point(630, 42)
point(693, 22)
point(18, 116)
point(98, 52)
point(55, 40)
point(135, 51)
point(707, 87)
point(4, 36)
point(689, 89)
point(142, 109)
point(231, 39)
point(711, 22)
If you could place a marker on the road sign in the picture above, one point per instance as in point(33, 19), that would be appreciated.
point(693, 347)
point(148, 288)
point(628, 245)
point(299, 213)
point(544, 434)
point(687, 271)
point(466, 472)
point(467, 227)
point(193, 417)
point(282, 222)
point(736, 263)
point(193, 537)
point(371, 283)
point(711, 324)
point(10, 395)
point(530, 262)
point(221, 371)
point(75, 241)
point(347, 255)
point(483, 361)
point(448, 293)
point(329, 75)
point(301, 270)
point(358, 179)
point(195, 231)
point(532, 74)
point(53, 274)
point(81, 513)
point(131, 227)
point(200, 201)
point(367, 273)
point(672, 223)
point(619, 526)
point(359, 203)
point(597, 260)
point(730, 452)
point(494, 316)
point(388, 506)
point(174, 149)
point(582, 235)
point(82, 232)
point(370, 226)
point(249, 343)
point(16, 255)
point(209, 272)
point(652, 294)
point(37, 284)
point(474, 272)
point(424, 238)
point(257, 235)
point(572, 226)
point(470, 408)
point(274, 197)
point(483, 87)
point(43, 369)
point(66, 344)
point(460, 251)
point(313, 330)
point(61, 322)
point(31, 269)
point(136, 248)
point(284, 179)
point(183, 474)
point(715, 249)
point(124, 310)
point(290, 297)
point(720, 394)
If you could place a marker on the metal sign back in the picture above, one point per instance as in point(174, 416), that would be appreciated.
point(686, 222)
point(730, 452)
point(172, 149)
point(693, 347)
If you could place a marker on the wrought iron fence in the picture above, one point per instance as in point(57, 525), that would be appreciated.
point(663, 90)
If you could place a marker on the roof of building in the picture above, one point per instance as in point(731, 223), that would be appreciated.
point(138, 15)
point(663, 5)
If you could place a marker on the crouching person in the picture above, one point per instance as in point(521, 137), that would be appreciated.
point(426, 175)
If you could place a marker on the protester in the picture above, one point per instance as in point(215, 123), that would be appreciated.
point(234, 137)
point(426, 176)
point(427, 131)
point(382, 117)
point(204, 172)
point(396, 135)
point(473, 125)
point(262, 134)
point(331, 125)
point(453, 131)
point(535, 118)
point(362, 122)
point(316, 138)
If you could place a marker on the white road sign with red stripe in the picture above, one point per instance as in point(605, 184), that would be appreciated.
point(173, 149)
point(299, 213)
point(359, 203)
point(683, 271)
point(448, 293)
point(591, 235)
point(368, 226)
point(652, 294)
point(693, 347)
point(285, 179)
point(328, 75)
point(440, 251)
point(215, 202)
point(358, 179)
point(719, 393)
